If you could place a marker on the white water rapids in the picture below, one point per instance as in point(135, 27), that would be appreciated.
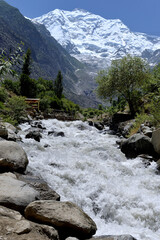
point(86, 167)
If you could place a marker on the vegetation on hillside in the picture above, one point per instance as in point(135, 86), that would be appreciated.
point(13, 92)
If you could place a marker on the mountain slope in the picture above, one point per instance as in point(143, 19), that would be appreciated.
point(93, 39)
point(48, 55)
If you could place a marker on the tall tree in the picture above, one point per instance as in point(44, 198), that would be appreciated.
point(27, 63)
point(28, 86)
point(125, 78)
point(58, 85)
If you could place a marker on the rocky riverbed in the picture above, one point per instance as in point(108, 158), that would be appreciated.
point(29, 208)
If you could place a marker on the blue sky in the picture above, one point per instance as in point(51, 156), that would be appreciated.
point(138, 15)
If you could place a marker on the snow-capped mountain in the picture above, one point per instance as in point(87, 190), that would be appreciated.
point(93, 39)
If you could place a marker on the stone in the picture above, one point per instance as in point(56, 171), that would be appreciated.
point(158, 165)
point(113, 237)
point(12, 157)
point(38, 124)
point(3, 132)
point(147, 131)
point(156, 140)
point(9, 126)
point(45, 192)
point(59, 134)
point(125, 127)
point(68, 218)
point(9, 213)
point(35, 135)
point(137, 144)
point(117, 118)
point(12, 228)
point(99, 125)
point(15, 194)
point(22, 227)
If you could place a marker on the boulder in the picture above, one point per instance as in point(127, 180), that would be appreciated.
point(158, 165)
point(136, 145)
point(147, 131)
point(68, 218)
point(59, 134)
point(99, 125)
point(124, 128)
point(117, 118)
point(38, 124)
point(12, 157)
point(3, 132)
point(15, 194)
point(56, 134)
point(14, 227)
point(45, 192)
point(113, 237)
point(156, 140)
point(8, 131)
point(35, 135)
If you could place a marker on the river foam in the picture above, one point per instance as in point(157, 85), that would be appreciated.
point(86, 167)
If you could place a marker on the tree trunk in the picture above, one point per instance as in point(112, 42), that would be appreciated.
point(131, 108)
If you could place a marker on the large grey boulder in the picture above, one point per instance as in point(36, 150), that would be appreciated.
point(14, 227)
point(45, 192)
point(156, 140)
point(15, 194)
point(113, 237)
point(68, 218)
point(12, 157)
point(8, 131)
point(136, 145)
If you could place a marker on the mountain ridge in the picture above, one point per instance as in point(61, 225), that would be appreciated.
point(95, 40)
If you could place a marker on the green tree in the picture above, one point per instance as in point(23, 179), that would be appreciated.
point(58, 86)
point(126, 79)
point(27, 63)
point(28, 86)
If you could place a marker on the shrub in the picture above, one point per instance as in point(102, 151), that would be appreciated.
point(3, 94)
point(16, 108)
point(13, 86)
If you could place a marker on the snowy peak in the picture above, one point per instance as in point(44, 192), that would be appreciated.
point(93, 39)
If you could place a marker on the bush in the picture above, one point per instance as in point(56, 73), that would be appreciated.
point(13, 86)
point(3, 94)
point(140, 119)
point(16, 108)
point(44, 104)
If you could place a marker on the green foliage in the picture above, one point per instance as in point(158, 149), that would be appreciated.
point(58, 86)
point(16, 108)
point(8, 60)
point(2, 106)
point(140, 119)
point(28, 86)
point(126, 78)
point(69, 106)
point(45, 104)
point(3, 94)
point(27, 63)
point(13, 86)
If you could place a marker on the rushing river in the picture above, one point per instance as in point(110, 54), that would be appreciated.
point(86, 167)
